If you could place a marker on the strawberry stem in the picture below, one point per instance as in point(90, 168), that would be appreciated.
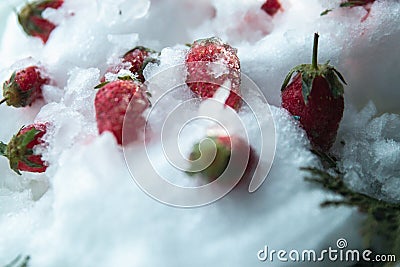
point(3, 149)
point(315, 52)
point(3, 100)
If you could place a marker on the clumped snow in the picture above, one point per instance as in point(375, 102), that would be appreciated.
point(86, 209)
point(371, 152)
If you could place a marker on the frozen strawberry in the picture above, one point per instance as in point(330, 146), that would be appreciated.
point(271, 7)
point(24, 87)
point(202, 78)
point(223, 146)
point(135, 61)
point(315, 98)
point(20, 149)
point(32, 21)
point(111, 104)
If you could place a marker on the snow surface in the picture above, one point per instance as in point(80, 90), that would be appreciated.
point(86, 209)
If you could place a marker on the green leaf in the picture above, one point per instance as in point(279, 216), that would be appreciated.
point(382, 218)
point(288, 78)
point(306, 87)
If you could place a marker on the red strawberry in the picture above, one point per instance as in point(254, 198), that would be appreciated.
point(111, 104)
point(222, 156)
point(204, 82)
point(135, 61)
point(19, 150)
point(315, 98)
point(23, 87)
point(32, 21)
point(271, 7)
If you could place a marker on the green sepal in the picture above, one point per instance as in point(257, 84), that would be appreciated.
point(352, 3)
point(28, 137)
point(325, 12)
point(3, 149)
point(17, 150)
point(339, 75)
point(31, 164)
point(141, 48)
point(288, 78)
point(307, 80)
point(14, 95)
point(146, 62)
point(308, 74)
point(126, 78)
point(335, 85)
point(101, 85)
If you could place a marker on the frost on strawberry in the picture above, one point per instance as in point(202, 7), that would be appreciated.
point(135, 60)
point(202, 78)
point(32, 21)
point(23, 87)
point(315, 98)
point(20, 149)
point(116, 99)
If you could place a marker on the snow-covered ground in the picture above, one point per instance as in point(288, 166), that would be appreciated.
point(86, 209)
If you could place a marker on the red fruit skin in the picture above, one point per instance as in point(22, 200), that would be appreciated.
point(37, 141)
point(111, 105)
point(26, 87)
point(271, 7)
point(132, 61)
point(321, 116)
point(45, 26)
point(204, 84)
point(32, 21)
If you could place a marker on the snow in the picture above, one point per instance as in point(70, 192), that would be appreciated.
point(371, 153)
point(86, 209)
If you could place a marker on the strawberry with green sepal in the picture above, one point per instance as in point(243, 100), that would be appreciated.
point(202, 80)
point(24, 87)
point(32, 21)
point(315, 98)
point(111, 104)
point(271, 7)
point(135, 60)
point(20, 149)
